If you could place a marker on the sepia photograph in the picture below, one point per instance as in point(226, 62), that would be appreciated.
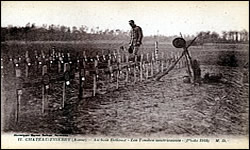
point(124, 74)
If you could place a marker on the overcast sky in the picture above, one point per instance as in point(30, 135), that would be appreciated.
point(170, 18)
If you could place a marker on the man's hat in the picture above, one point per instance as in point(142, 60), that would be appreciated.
point(131, 21)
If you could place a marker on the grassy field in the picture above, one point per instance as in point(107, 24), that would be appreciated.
point(147, 108)
point(216, 52)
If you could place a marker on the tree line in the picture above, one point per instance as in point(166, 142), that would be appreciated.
point(52, 32)
point(226, 37)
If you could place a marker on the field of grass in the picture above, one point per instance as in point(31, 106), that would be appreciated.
point(148, 108)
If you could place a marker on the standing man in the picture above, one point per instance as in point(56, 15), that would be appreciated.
point(135, 37)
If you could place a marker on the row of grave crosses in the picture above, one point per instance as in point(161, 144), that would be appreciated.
point(62, 57)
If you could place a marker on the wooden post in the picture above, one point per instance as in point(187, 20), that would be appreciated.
point(119, 69)
point(135, 65)
point(39, 67)
point(27, 54)
point(59, 66)
point(82, 77)
point(27, 67)
point(127, 68)
point(102, 52)
point(2, 72)
point(27, 64)
point(104, 57)
point(110, 72)
point(147, 58)
point(141, 61)
point(50, 63)
point(97, 57)
point(42, 54)
point(117, 79)
point(156, 51)
point(147, 66)
point(44, 96)
point(114, 54)
point(157, 56)
point(110, 67)
point(95, 77)
point(36, 55)
point(134, 74)
point(43, 99)
point(81, 80)
point(94, 85)
point(64, 86)
point(162, 60)
point(18, 107)
point(18, 87)
point(96, 61)
point(63, 100)
point(152, 65)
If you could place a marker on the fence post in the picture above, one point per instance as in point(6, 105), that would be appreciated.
point(44, 95)
point(135, 65)
point(2, 72)
point(156, 51)
point(42, 53)
point(147, 66)
point(27, 65)
point(65, 82)
point(110, 67)
point(50, 62)
point(36, 55)
point(114, 56)
point(162, 61)
point(127, 68)
point(94, 85)
point(117, 79)
point(18, 92)
point(119, 69)
point(141, 67)
point(157, 56)
point(152, 65)
point(82, 79)
point(95, 77)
